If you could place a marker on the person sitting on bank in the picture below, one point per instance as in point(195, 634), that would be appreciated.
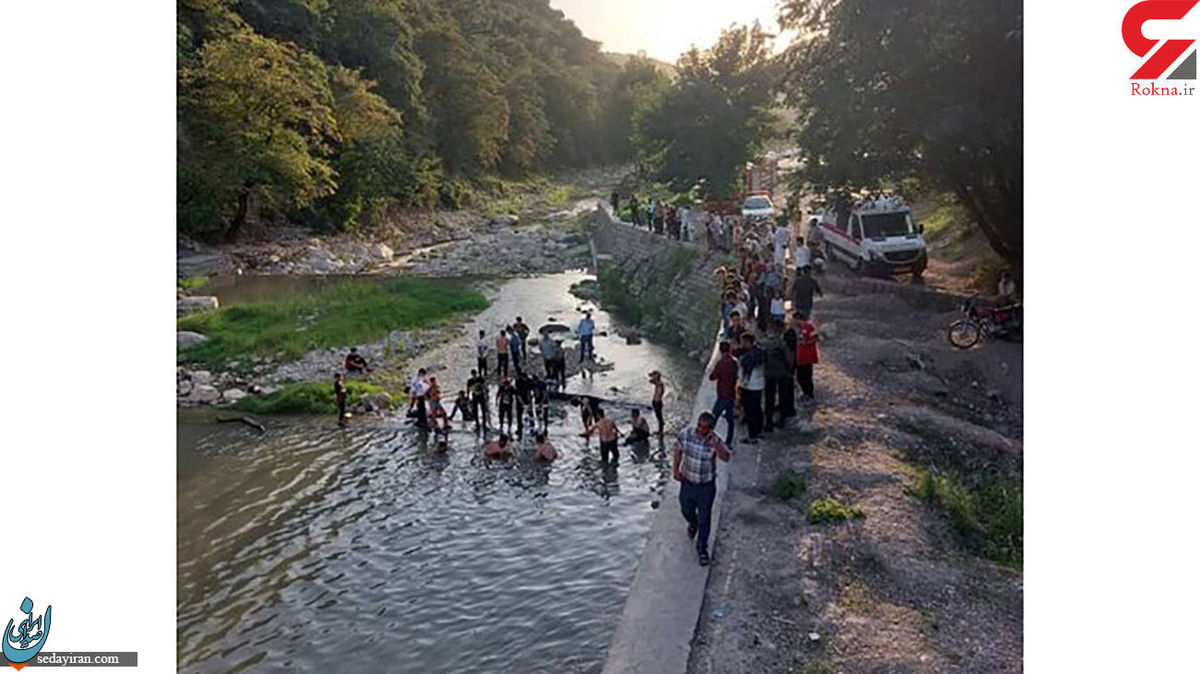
point(498, 448)
point(543, 450)
point(639, 427)
point(355, 363)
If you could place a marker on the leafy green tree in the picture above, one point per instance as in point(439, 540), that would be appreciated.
point(926, 89)
point(716, 116)
point(257, 122)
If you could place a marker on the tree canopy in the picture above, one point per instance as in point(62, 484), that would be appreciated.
point(333, 109)
point(926, 89)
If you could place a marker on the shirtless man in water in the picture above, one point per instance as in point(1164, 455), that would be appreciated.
point(498, 448)
point(543, 450)
point(607, 430)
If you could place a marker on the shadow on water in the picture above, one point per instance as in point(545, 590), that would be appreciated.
point(317, 549)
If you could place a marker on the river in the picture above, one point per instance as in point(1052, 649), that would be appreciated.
point(314, 549)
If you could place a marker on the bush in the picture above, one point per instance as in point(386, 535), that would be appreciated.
point(989, 518)
point(830, 510)
point(788, 486)
point(307, 398)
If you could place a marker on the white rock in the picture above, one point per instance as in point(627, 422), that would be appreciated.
point(201, 377)
point(183, 387)
point(383, 251)
point(189, 305)
point(233, 395)
point(203, 393)
point(505, 219)
point(186, 340)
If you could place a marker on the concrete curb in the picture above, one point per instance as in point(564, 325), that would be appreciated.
point(663, 607)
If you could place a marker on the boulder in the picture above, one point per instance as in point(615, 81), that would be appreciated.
point(186, 340)
point(233, 395)
point(191, 305)
point(201, 377)
point(183, 387)
point(505, 219)
point(203, 393)
point(207, 264)
point(383, 252)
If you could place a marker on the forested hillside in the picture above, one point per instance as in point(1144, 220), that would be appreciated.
point(330, 112)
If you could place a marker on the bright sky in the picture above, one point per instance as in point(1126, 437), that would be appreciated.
point(663, 28)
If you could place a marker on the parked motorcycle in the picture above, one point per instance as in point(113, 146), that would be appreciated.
point(980, 323)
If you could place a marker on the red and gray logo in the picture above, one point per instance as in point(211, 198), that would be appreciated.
point(1166, 53)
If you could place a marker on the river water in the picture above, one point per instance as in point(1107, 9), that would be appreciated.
point(314, 549)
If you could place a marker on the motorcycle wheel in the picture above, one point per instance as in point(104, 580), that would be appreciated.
point(963, 334)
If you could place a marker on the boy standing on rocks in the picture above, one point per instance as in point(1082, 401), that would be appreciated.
point(695, 468)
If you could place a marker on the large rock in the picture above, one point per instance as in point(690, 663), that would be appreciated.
point(505, 219)
point(383, 252)
point(203, 393)
point(190, 305)
point(201, 377)
point(186, 340)
point(233, 395)
point(206, 264)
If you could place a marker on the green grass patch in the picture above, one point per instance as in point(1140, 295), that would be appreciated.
point(830, 510)
point(352, 312)
point(789, 485)
point(308, 398)
point(989, 518)
point(191, 282)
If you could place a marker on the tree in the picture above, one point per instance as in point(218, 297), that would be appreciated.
point(257, 122)
point(716, 116)
point(930, 89)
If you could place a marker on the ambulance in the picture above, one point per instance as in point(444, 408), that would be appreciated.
point(875, 237)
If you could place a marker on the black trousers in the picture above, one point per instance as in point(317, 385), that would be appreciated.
point(752, 408)
point(480, 408)
point(482, 364)
point(501, 364)
point(804, 375)
point(774, 398)
point(506, 414)
point(657, 405)
point(787, 398)
point(608, 447)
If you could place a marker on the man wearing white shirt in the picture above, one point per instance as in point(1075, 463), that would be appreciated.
point(803, 255)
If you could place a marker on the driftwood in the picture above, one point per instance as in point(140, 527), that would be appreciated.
point(245, 420)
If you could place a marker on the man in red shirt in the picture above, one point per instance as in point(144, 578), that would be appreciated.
point(725, 373)
point(806, 355)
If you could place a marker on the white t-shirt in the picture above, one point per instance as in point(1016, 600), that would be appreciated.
point(777, 306)
point(803, 256)
point(781, 237)
point(483, 346)
point(756, 380)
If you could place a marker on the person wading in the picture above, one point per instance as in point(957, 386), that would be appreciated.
point(606, 429)
point(506, 395)
point(482, 346)
point(656, 403)
point(477, 386)
point(339, 394)
point(587, 332)
point(695, 468)
point(502, 355)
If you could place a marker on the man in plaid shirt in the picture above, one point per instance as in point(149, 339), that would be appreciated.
point(696, 453)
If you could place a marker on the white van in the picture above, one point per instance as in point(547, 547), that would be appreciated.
point(877, 238)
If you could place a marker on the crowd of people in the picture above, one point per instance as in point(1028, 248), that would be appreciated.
point(505, 387)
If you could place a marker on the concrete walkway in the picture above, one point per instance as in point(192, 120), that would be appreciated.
point(664, 602)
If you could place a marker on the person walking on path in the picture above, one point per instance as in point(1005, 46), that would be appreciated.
point(803, 289)
point(787, 397)
point(587, 332)
point(778, 371)
point(656, 403)
point(481, 351)
point(725, 373)
point(695, 468)
point(753, 382)
point(339, 393)
point(609, 433)
point(502, 355)
point(806, 356)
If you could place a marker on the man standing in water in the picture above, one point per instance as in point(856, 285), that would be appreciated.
point(608, 432)
point(587, 331)
point(656, 403)
point(522, 330)
point(543, 450)
point(477, 385)
point(339, 393)
point(514, 348)
point(505, 397)
point(481, 349)
point(502, 355)
point(695, 468)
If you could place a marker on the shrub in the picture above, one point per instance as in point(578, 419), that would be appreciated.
point(788, 486)
point(830, 510)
